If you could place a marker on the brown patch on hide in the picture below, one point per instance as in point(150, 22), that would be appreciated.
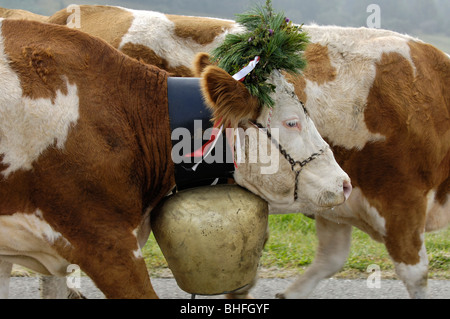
point(409, 105)
point(147, 55)
point(44, 81)
point(318, 70)
point(21, 15)
point(12, 191)
point(201, 30)
point(105, 22)
point(299, 83)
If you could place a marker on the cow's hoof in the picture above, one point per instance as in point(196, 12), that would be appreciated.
point(75, 294)
point(280, 296)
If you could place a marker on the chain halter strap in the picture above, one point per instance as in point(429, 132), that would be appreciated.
point(296, 166)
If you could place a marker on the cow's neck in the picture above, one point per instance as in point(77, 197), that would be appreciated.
point(148, 116)
point(189, 119)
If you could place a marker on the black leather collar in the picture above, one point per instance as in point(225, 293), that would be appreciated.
point(186, 105)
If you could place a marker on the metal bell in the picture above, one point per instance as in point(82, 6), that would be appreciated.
point(212, 237)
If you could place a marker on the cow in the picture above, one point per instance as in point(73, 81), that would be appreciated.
point(21, 15)
point(85, 153)
point(379, 98)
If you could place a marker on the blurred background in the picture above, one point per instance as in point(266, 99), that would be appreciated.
point(426, 19)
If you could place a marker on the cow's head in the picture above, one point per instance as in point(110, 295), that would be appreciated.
point(288, 164)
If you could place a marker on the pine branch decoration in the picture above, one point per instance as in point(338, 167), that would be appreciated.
point(272, 37)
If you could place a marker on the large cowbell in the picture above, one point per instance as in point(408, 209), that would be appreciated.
point(191, 127)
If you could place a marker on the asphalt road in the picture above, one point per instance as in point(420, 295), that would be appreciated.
point(166, 288)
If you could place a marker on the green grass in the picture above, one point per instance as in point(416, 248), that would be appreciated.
point(292, 244)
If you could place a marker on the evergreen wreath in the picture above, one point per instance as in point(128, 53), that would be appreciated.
point(271, 36)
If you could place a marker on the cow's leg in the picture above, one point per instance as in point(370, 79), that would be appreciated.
point(115, 265)
point(332, 252)
point(415, 277)
point(5, 275)
point(412, 271)
point(404, 240)
point(121, 277)
point(54, 287)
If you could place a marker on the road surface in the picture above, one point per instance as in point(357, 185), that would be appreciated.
point(166, 288)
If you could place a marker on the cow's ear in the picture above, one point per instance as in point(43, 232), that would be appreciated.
point(201, 61)
point(230, 100)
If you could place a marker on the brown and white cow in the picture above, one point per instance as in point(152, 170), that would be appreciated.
point(85, 153)
point(380, 98)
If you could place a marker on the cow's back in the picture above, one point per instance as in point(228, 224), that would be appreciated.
point(106, 22)
point(21, 14)
point(167, 41)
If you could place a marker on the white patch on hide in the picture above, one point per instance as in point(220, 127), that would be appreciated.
point(26, 239)
point(357, 211)
point(28, 126)
point(337, 107)
point(155, 31)
point(415, 276)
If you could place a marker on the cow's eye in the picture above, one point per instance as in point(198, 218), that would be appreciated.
point(293, 124)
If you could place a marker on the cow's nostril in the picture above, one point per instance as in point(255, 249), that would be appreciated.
point(347, 189)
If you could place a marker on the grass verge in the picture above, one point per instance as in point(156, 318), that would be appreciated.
point(292, 246)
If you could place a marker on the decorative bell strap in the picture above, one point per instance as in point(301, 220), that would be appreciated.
point(209, 145)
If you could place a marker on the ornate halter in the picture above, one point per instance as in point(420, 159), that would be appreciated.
point(296, 166)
